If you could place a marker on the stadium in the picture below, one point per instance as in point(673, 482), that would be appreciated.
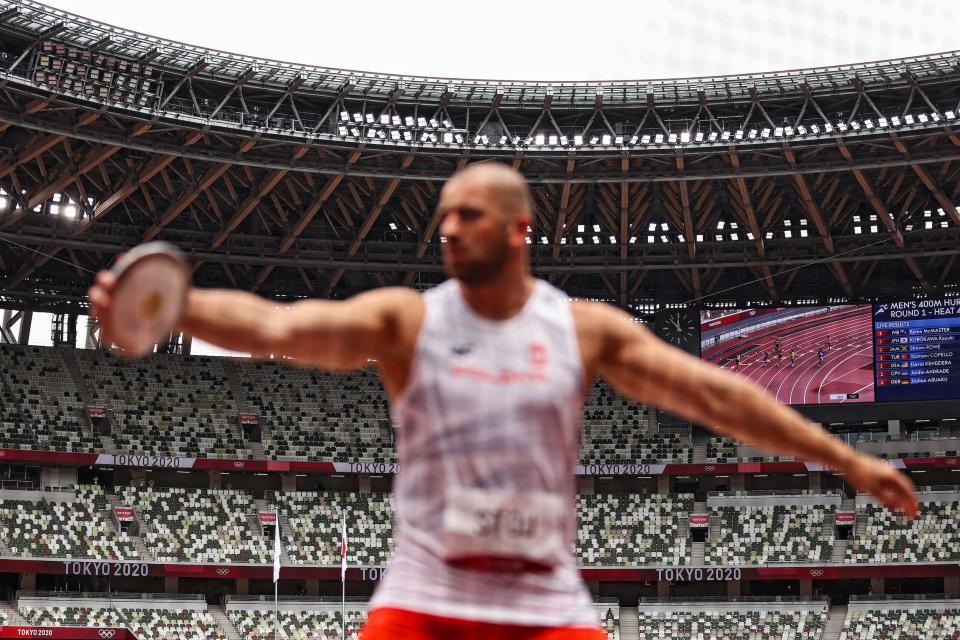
point(789, 227)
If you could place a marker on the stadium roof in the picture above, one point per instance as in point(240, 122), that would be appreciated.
point(294, 180)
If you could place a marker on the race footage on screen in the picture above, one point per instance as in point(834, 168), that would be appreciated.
point(802, 355)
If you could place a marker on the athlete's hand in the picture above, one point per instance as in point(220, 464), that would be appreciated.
point(101, 299)
point(880, 478)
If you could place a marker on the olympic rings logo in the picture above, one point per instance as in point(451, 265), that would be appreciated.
point(107, 633)
point(950, 461)
point(239, 464)
point(709, 467)
point(816, 573)
point(223, 571)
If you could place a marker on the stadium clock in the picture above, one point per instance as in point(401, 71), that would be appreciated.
point(680, 327)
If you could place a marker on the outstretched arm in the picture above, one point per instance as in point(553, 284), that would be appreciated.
point(332, 335)
point(647, 369)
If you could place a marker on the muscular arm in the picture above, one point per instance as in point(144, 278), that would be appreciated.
point(648, 370)
point(332, 335)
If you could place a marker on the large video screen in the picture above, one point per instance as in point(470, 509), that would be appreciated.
point(917, 349)
point(802, 355)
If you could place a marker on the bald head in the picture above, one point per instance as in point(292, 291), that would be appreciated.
point(507, 187)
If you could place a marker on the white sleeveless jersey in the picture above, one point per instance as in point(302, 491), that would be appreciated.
point(498, 405)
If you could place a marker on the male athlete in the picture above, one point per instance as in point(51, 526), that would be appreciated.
point(486, 376)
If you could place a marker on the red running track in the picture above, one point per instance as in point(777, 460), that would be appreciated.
point(847, 365)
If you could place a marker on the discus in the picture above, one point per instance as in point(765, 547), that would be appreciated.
point(149, 297)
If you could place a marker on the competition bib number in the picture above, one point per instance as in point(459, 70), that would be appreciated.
point(503, 525)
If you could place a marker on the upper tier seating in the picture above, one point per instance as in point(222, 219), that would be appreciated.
point(307, 414)
point(166, 405)
point(199, 525)
point(313, 526)
point(745, 624)
point(630, 529)
point(610, 620)
point(721, 450)
point(77, 529)
point(618, 431)
point(918, 623)
point(259, 624)
point(146, 624)
point(40, 406)
point(764, 534)
point(933, 536)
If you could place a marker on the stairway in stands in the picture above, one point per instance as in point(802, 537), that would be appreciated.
point(9, 612)
point(629, 623)
point(835, 619)
point(220, 615)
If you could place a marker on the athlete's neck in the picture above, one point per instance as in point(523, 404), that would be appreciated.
point(501, 299)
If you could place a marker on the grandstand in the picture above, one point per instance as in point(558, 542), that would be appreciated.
point(144, 494)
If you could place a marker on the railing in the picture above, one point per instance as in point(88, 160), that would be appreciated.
point(104, 595)
point(760, 494)
point(236, 599)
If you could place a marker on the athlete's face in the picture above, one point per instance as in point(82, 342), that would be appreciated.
point(479, 235)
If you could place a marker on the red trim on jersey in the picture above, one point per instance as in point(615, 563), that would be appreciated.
point(399, 624)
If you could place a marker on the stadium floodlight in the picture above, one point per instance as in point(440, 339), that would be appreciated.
point(606, 139)
point(653, 226)
point(503, 139)
point(734, 237)
point(788, 131)
point(672, 138)
point(719, 237)
point(881, 122)
point(769, 235)
point(874, 228)
point(370, 118)
point(680, 238)
point(447, 124)
point(552, 141)
point(580, 228)
point(684, 136)
point(699, 136)
point(855, 125)
point(908, 118)
point(434, 123)
point(928, 224)
point(358, 117)
point(725, 135)
point(596, 228)
point(528, 240)
point(408, 121)
point(922, 117)
point(384, 118)
point(950, 115)
point(802, 130)
point(422, 122)
point(713, 136)
point(738, 135)
point(752, 134)
point(699, 237)
point(857, 230)
point(579, 240)
point(394, 135)
point(815, 128)
point(645, 139)
point(342, 130)
point(543, 240)
point(596, 239)
point(720, 225)
point(407, 136)
point(633, 140)
point(396, 120)
point(828, 127)
point(459, 138)
point(393, 226)
point(895, 121)
point(944, 224)
point(788, 233)
point(618, 141)
point(633, 239)
point(658, 138)
point(787, 223)
point(578, 140)
point(355, 132)
point(539, 139)
point(935, 116)
point(448, 137)
point(664, 226)
point(650, 239)
point(594, 140)
point(345, 116)
point(778, 132)
point(664, 239)
point(842, 126)
point(804, 233)
point(750, 235)
point(765, 133)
